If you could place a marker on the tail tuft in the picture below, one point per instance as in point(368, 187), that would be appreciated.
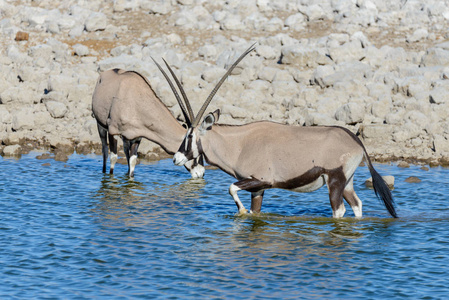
point(382, 191)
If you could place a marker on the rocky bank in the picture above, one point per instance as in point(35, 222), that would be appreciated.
point(379, 68)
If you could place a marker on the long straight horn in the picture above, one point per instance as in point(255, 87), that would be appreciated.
point(183, 108)
point(214, 91)
point(186, 100)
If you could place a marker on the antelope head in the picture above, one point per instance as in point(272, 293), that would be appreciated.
point(191, 145)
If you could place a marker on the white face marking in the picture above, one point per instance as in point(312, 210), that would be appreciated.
point(187, 140)
point(197, 172)
point(179, 159)
point(194, 145)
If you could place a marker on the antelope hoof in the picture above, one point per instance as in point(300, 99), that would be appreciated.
point(242, 211)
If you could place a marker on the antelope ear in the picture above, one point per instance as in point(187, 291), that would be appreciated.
point(216, 115)
point(209, 120)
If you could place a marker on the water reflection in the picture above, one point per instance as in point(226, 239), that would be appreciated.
point(325, 241)
point(135, 202)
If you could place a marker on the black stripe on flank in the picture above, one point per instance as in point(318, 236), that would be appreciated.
point(253, 184)
point(310, 176)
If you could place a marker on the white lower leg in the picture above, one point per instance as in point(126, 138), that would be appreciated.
point(340, 212)
point(132, 165)
point(233, 189)
point(114, 158)
point(357, 211)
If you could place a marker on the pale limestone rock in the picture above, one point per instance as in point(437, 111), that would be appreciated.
point(96, 21)
point(350, 113)
point(56, 109)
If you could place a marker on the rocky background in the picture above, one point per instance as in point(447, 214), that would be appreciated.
point(379, 68)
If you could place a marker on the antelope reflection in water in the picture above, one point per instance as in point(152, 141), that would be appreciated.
point(135, 203)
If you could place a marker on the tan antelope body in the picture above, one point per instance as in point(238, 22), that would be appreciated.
point(124, 104)
point(264, 155)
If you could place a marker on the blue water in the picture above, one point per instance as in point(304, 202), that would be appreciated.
point(67, 231)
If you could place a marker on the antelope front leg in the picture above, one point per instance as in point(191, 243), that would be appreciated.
point(233, 189)
point(253, 185)
point(133, 156)
point(256, 202)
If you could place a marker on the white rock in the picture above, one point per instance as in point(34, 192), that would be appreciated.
point(284, 89)
point(260, 85)
point(313, 12)
point(304, 57)
point(381, 107)
point(435, 57)
point(56, 109)
point(406, 132)
point(350, 113)
point(295, 22)
point(267, 52)
point(440, 143)
point(274, 24)
point(389, 180)
point(267, 74)
point(80, 93)
point(376, 131)
point(41, 51)
point(12, 150)
point(315, 118)
point(5, 115)
point(439, 95)
point(351, 51)
point(212, 74)
point(322, 72)
point(76, 31)
point(23, 119)
point(207, 51)
point(234, 111)
point(417, 35)
point(283, 75)
point(232, 22)
point(60, 82)
point(157, 7)
point(96, 21)
point(81, 50)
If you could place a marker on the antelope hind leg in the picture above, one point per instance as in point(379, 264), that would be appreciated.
point(253, 185)
point(104, 144)
point(353, 200)
point(336, 182)
point(113, 149)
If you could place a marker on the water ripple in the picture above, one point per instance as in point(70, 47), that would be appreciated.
point(68, 231)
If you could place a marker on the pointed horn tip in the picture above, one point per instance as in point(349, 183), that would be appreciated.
point(196, 121)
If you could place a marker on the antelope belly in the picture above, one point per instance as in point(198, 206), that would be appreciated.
point(310, 187)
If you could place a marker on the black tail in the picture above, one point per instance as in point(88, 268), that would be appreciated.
point(381, 189)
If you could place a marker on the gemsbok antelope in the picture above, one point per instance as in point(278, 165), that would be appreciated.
point(123, 103)
point(265, 155)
